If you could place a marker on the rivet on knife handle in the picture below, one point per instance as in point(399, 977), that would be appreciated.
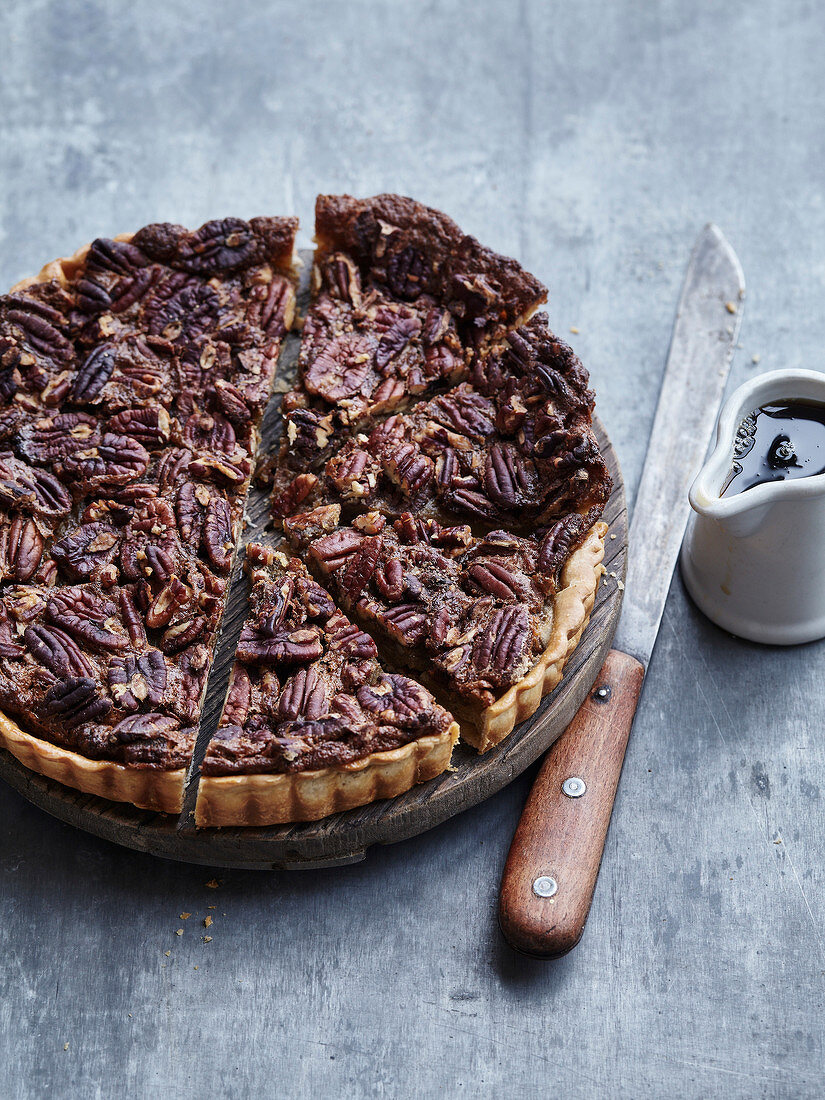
point(554, 859)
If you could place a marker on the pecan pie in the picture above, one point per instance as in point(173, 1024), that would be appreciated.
point(312, 723)
point(437, 475)
point(404, 303)
point(514, 447)
point(486, 622)
point(133, 377)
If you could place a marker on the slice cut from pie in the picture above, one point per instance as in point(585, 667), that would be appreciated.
point(133, 377)
point(404, 303)
point(312, 723)
point(488, 623)
point(512, 448)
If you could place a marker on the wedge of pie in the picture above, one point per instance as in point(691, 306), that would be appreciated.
point(133, 377)
point(313, 723)
point(487, 623)
point(404, 303)
point(513, 447)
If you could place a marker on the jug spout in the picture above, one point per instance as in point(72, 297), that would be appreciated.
point(739, 516)
point(744, 513)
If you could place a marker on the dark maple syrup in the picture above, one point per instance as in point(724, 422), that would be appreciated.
point(778, 442)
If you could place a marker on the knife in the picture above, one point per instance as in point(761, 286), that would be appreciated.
point(554, 860)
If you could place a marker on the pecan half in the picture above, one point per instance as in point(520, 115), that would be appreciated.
point(295, 647)
point(149, 426)
point(113, 462)
point(75, 701)
point(56, 650)
point(340, 369)
point(499, 648)
point(398, 700)
point(51, 438)
point(85, 552)
point(21, 548)
point(31, 490)
point(304, 695)
point(218, 534)
point(238, 698)
point(88, 618)
point(135, 680)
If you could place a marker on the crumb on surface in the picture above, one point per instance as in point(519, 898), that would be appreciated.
point(167, 953)
point(207, 921)
point(574, 330)
point(213, 884)
point(756, 358)
point(179, 932)
point(185, 916)
point(730, 307)
point(65, 1046)
point(207, 939)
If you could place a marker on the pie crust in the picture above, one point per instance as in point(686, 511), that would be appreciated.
point(310, 795)
point(146, 788)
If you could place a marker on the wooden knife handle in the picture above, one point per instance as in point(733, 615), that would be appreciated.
point(554, 860)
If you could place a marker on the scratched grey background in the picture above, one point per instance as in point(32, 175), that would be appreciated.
point(591, 140)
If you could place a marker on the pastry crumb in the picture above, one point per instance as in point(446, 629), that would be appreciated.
point(207, 921)
point(620, 585)
point(612, 538)
point(207, 939)
point(211, 907)
point(167, 953)
point(179, 932)
point(730, 307)
point(756, 358)
point(65, 1046)
point(185, 916)
point(574, 330)
point(213, 884)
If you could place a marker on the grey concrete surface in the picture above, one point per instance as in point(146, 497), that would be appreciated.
point(591, 140)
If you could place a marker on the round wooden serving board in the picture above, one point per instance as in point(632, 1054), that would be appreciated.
point(344, 838)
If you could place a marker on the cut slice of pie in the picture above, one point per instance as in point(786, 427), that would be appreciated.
point(488, 623)
point(312, 723)
point(512, 448)
point(403, 304)
point(133, 377)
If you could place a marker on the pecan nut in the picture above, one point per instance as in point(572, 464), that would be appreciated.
point(134, 681)
point(75, 701)
point(304, 695)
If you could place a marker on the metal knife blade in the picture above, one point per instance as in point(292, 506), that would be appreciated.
point(554, 859)
point(701, 348)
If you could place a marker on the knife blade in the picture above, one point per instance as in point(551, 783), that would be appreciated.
point(551, 870)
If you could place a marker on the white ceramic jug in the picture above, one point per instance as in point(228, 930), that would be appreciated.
point(754, 562)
